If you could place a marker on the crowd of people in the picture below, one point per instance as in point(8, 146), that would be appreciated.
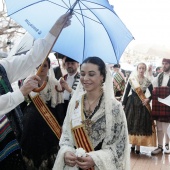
point(147, 119)
point(86, 108)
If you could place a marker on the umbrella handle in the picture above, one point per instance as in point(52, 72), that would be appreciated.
point(60, 91)
point(38, 73)
point(40, 88)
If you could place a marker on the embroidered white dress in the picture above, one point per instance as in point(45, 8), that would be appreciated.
point(108, 128)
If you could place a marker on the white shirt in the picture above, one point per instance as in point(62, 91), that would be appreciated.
point(164, 81)
point(70, 80)
point(19, 67)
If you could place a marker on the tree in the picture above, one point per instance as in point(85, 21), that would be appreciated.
point(9, 30)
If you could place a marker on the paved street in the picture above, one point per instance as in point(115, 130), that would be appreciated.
point(145, 161)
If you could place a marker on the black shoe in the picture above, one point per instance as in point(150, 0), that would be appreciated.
point(132, 149)
point(157, 151)
point(167, 146)
point(137, 152)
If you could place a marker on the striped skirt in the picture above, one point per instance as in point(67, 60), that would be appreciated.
point(10, 152)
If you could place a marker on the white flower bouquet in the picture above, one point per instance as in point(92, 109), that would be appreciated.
point(80, 152)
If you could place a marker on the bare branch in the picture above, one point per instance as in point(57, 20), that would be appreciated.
point(9, 29)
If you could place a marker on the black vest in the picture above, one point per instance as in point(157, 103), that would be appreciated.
point(15, 116)
point(75, 82)
point(160, 79)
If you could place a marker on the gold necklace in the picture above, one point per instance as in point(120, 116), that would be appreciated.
point(140, 80)
point(88, 122)
point(89, 111)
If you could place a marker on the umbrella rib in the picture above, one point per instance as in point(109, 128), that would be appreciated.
point(84, 30)
point(97, 4)
point(79, 19)
point(55, 4)
point(61, 5)
point(37, 3)
point(103, 6)
point(103, 27)
point(26, 7)
point(89, 8)
point(75, 11)
point(67, 7)
point(87, 17)
point(69, 3)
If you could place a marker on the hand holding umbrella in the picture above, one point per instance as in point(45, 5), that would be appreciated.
point(63, 22)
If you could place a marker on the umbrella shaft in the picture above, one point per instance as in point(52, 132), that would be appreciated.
point(40, 68)
point(75, 3)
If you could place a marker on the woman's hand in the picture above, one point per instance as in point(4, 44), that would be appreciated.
point(30, 83)
point(85, 162)
point(145, 102)
point(70, 159)
point(150, 69)
point(123, 107)
point(64, 85)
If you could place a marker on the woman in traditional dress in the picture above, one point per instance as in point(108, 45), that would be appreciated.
point(137, 110)
point(95, 121)
point(39, 143)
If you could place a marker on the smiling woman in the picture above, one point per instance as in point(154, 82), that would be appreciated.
point(96, 122)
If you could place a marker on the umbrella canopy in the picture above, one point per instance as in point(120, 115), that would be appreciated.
point(96, 30)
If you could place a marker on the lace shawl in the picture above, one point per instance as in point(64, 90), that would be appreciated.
point(111, 127)
point(145, 84)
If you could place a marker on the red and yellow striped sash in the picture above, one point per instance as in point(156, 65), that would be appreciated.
point(80, 135)
point(47, 115)
point(82, 140)
point(142, 96)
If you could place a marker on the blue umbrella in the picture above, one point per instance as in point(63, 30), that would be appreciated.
point(96, 30)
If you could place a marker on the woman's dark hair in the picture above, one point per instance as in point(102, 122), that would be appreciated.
point(116, 66)
point(100, 63)
point(49, 63)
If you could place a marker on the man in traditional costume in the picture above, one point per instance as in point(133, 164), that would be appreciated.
point(70, 81)
point(60, 70)
point(11, 70)
point(161, 112)
point(158, 71)
point(118, 81)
